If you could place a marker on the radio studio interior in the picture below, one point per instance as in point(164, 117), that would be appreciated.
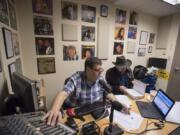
point(89, 67)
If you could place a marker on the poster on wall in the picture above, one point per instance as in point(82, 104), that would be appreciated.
point(69, 10)
point(120, 16)
point(118, 48)
point(70, 53)
point(88, 14)
point(15, 44)
point(143, 38)
point(42, 6)
point(12, 15)
point(87, 51)
point(7, 35)
point(133, 20)
point(46, 65)
point(43, 25)
point(151, 38)
point(88, 33)
point(131, 46)
point(119, 33)
point(44, 46)
point(4, 12)
point(141, 51)
point(132, 32)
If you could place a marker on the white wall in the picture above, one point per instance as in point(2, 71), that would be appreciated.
point(54, 82)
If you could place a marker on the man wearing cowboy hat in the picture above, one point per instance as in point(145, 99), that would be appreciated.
point(120, 76)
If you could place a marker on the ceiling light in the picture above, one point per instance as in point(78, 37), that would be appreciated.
point(172, 2)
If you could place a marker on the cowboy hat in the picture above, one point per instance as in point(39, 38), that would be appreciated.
point(122, 61)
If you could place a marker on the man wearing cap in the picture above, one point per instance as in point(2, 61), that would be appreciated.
point(120, 76)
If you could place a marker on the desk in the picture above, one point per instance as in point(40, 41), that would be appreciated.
point(165, 131)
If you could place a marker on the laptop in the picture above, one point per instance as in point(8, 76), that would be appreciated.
point(138, 90)
point(158, 108)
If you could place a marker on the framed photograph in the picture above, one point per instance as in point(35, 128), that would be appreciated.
point(141, 51)
point(120, 16)
point(70, 53)
point(119, 33)
point(12, 69)
point(15, 41)
point(18, 65)
point(43, 25)
point(151, 38)
point(46, 65)
point(88, 33)
point(87, 51)
point(69, 32)
point(42, 6)
point(7, 35)
point(69, 10)
point(12, 15)
point(131, 46)
point(44, 46)
point(118, 48)
point(150, 49)
point(104, 10)
point(88, 14)
point(4, 12)
point(132, 32)
point(143, 38)
point(133, 20)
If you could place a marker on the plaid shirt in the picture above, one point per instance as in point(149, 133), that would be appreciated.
point(81, 92)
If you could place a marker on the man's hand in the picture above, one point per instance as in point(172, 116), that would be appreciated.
point(125, 109)
point(53, 117)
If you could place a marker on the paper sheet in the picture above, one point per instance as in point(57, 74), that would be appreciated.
point(124, 100)
point(128, 122)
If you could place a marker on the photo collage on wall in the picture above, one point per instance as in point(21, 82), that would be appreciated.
point(71, 50)
point(43, 31)
point(119, 32)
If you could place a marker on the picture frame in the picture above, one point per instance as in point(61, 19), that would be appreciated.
point(141, 51)
point(15, 41)
point(70, 53)
point(150, 49)
point(46, 65)
point(44, 46)
point(42, 6)
point(118, 48)
point(7, 35)
point(88, 14)
point(43, 25)
point(12, 69)
point(120, 16)
point(88, 51)
point(69, 32)
point(131, 46)
point(12, 15)
point(4, 17)
point(132, 32)
point(152, 38)
point(133, 19)
point(143, 38)
point(69, 10)
point(88, 33)
point(119, 33)
point(104, 10)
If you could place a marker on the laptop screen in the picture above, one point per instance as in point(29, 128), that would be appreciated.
point(163, 102)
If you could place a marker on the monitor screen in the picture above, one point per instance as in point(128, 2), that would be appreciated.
point(157, 62)
point(25, 90)
point(163, 102)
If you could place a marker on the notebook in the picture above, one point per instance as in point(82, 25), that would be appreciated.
point(138, 90)
point(158, 108)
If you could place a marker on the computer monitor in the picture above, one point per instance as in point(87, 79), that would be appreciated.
point(157, 62)
point(26, 92)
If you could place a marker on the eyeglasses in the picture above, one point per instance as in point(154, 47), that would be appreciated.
point(98, 70)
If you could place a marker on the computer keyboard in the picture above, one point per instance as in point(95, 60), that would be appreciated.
point(88, 108)
point(31, 124)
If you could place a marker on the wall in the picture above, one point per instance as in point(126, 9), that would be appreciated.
point(54, 82)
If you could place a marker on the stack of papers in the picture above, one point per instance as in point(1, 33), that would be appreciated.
point(128, 122)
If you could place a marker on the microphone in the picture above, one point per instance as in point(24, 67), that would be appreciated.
point(105, 86)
